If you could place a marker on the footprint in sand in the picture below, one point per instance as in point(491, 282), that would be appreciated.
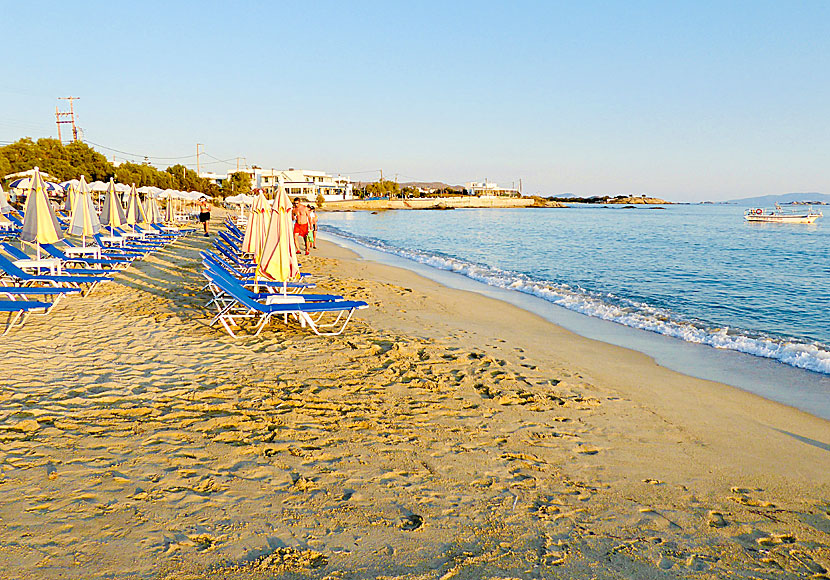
point(716, 520)
point(776, 540)
point(411, 522)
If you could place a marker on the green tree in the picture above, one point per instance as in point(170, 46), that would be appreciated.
point(382, 188)
point(61, 161)
point(236, 183)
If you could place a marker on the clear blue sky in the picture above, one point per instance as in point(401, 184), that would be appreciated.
point(684, 100)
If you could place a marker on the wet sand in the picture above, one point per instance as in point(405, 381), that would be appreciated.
point(444, 435)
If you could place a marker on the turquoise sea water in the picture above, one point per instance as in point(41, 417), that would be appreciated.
point(699, 273)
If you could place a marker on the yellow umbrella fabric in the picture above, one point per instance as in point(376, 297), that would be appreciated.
point(40, 226)
point(135, 211)
point(278, 260)
point(83, 221)
point(169, 210)
point(112, 214)
point(257, 226)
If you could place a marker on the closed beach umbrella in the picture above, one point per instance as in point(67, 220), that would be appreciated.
point(84, 221)
point(70, 197)
point(135, 211)
point(112, 214)
point(5, 207)
point(278, 260)
point(151, 208)
point(40, 226)
point(257, 226)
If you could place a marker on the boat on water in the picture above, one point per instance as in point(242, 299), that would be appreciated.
point(782, 216)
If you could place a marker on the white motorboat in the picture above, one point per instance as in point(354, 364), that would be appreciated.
point(781, 216)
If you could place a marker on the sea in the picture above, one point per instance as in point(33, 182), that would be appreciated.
point(698, 276)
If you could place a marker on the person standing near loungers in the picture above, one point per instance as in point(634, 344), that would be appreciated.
point(300, 225)
point(204, 214)
point(312, 226)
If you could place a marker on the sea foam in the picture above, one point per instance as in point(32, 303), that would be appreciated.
point(795, 352)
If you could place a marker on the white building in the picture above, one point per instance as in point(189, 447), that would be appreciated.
point(215, 178)
point(297, 182)
point(488, 188)
point(305, 183)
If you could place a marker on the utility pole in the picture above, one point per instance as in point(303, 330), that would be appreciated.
point(198, 166)
point(70, 114)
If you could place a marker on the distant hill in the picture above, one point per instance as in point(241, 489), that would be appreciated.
point(424, 184)
point(432, 185)
point(783, 198)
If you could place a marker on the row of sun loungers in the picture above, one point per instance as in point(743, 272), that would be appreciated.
point(34, 284)
point(239, 298)
point(30, 284)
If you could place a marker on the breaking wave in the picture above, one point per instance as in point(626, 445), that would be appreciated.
point(799, 353)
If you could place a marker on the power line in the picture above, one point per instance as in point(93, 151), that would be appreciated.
point(358, 172)
point(138, 154)
point(217, 159)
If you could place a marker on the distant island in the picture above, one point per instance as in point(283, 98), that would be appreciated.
point(786, 198)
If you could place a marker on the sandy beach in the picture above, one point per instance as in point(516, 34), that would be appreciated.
point(443, 435)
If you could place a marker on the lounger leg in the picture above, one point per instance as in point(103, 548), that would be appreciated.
point(316, 329)
point(265, 320)
point(12, 319)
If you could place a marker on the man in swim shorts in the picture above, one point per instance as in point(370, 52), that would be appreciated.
point(204, 214)
point(301, 223)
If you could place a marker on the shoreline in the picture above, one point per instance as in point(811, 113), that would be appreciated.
point(765, 377)
point(445, 434)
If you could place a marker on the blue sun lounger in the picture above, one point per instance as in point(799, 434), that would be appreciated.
point(22, 277)
point(27, 292)
point(242, 307)
point(17, 310)
point(270, 290)
point(19, 254)
point(126, 249)
point(248, 279)
point(84, 260)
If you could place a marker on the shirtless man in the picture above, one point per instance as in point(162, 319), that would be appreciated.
point(301, 223)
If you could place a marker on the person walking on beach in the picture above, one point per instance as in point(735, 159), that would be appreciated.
point(300, 225)
point(204, 215)
point(312, 221)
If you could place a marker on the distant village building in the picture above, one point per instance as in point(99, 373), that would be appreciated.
point(214, 178)
point(297, 182)
point(485, 188)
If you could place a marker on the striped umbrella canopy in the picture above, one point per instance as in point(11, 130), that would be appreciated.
point(40, 226)
point(278, 259)
point(112, 214)
point(135, 211)
point(5, 207)
point(83, 221)
point(258, 221)
point(151, 208)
